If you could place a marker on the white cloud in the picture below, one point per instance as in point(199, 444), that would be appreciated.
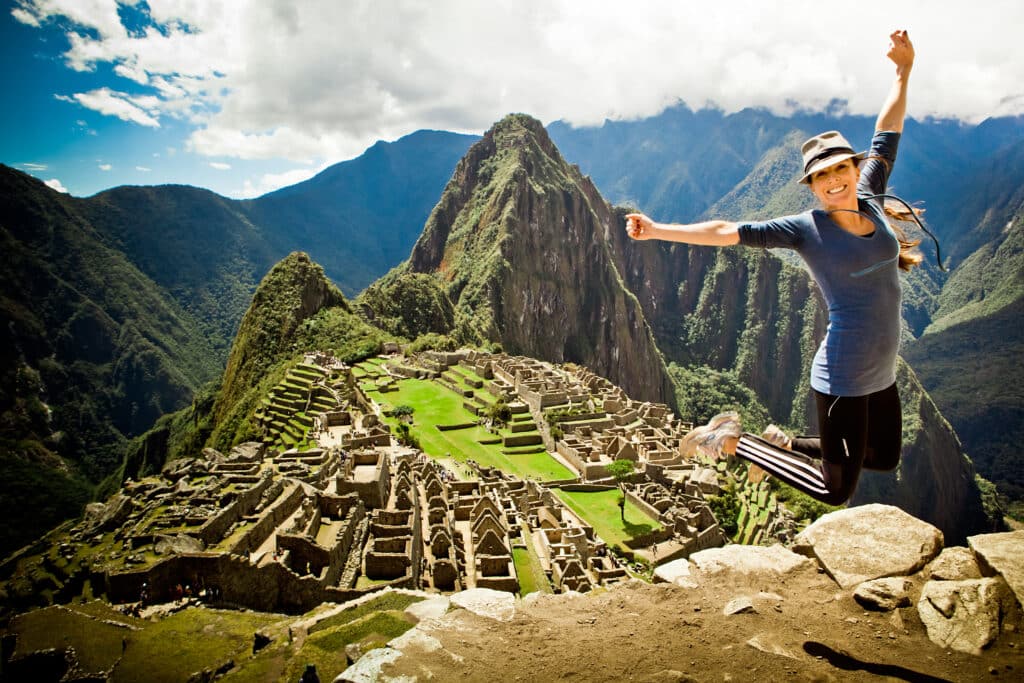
point(119, 104)
point(269, 182)
point(98, 15)
point(143, 169)
point(323, 79)
point(220, 166)
point(33, 167)
point(55, 184)
point(105, 167)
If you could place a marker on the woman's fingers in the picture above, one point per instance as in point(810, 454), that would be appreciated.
point(634, 225)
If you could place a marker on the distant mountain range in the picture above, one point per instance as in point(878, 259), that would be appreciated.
point(121, 307)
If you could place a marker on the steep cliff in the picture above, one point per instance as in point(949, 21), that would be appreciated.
point(521, 241)
point(293, 291)
point(729, 309)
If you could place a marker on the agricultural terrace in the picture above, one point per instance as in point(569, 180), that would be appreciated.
point(434, 405)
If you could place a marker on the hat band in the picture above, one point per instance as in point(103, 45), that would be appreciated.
point(825, 154)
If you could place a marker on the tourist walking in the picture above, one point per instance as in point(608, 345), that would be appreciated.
point(854, 255)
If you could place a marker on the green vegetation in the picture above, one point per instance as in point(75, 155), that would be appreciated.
point(292, 292)
point(407, 305)
point(726, 507)
point(600, 510)
point(436, 405)
point(622, 471)
point(94, 350)
point(702, 393)
point(528, 569)
point(388, 601)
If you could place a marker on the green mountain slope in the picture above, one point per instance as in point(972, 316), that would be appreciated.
point(519, 242)
point(94, 352)
point(359, 218)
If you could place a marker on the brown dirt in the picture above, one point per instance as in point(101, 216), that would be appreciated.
point(809, 630)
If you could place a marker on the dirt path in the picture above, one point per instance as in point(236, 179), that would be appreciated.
point(803, 628)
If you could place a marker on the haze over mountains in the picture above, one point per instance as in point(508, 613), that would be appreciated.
point(121, 307)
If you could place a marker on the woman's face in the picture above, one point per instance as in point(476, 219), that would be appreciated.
point(836, 186)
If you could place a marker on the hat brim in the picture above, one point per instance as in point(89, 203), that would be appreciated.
point(830, 161)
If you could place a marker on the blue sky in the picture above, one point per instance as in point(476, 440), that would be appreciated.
point(245, 96)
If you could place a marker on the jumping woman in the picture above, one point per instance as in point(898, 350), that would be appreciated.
point(854, 255)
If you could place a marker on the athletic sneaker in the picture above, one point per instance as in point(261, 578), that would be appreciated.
point(778, 437)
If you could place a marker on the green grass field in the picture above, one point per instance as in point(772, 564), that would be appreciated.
point(435, 404)
point(528, 570)
point(600, 509)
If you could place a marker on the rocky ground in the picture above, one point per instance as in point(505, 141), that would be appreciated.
point(745, 614)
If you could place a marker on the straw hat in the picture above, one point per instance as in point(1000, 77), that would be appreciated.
point(824, 150)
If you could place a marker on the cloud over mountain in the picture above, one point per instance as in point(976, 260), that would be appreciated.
point(322, 80)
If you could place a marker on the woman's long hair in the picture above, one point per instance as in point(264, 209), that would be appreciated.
point(909, 255)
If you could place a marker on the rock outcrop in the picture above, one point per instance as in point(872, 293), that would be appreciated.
point(868, 542)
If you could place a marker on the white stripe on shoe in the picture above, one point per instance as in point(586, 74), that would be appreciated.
point(787, 465)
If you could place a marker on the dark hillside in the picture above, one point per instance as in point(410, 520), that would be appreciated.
point(359, 218)
point(94, 352)
point(197, 245)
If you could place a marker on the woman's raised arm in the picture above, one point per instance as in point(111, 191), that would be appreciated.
point(894, 109)
point(708, 233)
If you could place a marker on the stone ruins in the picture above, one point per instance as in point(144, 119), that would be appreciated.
point(330, 505)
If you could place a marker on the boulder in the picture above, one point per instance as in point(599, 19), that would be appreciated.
point(430, 608)
point(884, 595)
point(486, 602)
point(954, 564)
point(368, 668)
point(177, 545)
point(964, 615)
point(1002, 555)
point(750, 560)
point(869, 542)
point(676, 571)
point(739, 605)
point(100, 517)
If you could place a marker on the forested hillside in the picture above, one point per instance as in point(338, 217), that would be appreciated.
point(94, 353)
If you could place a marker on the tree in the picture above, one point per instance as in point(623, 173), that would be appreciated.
point(622, 470)
point(499, 413)
point(403, 412)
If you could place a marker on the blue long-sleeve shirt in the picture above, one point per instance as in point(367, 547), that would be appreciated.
point(859, 278)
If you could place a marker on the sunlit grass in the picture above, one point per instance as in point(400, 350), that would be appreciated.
point(600, 509)
point(435, 404)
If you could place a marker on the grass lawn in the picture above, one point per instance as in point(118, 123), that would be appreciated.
point(98, 644)
point(600, 509)
point(528, 570)
point(435, 404)
point(210, 637)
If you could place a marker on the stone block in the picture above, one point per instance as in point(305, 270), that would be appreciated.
point(869, 542)
point(1003, 555)
point(964, 615)
point(884, 595)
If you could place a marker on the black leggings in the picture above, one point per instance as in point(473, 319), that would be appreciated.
point(856, 432)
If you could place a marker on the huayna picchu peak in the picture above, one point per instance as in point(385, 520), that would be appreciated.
point(520, 242)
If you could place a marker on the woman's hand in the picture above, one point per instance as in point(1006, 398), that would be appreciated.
point(639, 226)
point(901, 50)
